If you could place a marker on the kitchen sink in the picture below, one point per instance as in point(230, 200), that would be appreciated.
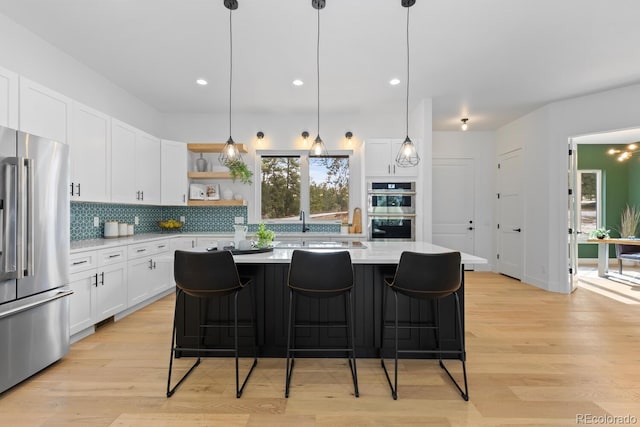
point(318, 244)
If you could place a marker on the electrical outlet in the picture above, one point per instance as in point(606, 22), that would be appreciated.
point(136, 220)
point(96, 221)
point(182, 219)
point(239, 220)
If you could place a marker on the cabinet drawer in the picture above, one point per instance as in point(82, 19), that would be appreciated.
point(112, 256)
point(83, 261)
point(160, 247)
point(140, 250)
point(210, 241)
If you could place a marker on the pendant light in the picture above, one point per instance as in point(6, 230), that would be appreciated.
point(230, 150)
point(407, 155)
point(318, 148)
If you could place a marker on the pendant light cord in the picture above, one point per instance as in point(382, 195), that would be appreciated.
point(318, 68)
point(230, 68)
point(407, 106)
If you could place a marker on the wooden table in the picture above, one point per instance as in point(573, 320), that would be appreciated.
point(603, 251)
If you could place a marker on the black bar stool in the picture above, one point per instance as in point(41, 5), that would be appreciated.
point(320, 275)
point(207, 275)
point(426, 277)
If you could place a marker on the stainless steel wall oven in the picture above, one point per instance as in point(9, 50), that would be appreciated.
point(391, 210)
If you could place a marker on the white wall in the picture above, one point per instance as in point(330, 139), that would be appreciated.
point(282, 132)
point(479, 146)
point(30, 56)
point(544, 135)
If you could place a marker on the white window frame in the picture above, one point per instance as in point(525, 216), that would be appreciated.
point(304, 182)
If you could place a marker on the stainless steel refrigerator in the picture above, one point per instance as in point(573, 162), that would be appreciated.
point(34, 254)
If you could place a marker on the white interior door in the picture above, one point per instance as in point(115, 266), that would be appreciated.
point(453, 204)
point(510, 217)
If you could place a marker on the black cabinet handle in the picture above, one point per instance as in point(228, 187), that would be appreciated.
point(80, 262)
point(102, 278)
point(78, 189)
point(72, 188)
point(517, 229)
point(96, 277)
point(470, 228)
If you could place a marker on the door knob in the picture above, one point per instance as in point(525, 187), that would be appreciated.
point(517, 229)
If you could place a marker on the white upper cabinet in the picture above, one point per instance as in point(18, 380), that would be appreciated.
point(135, 165)
point(148, 168)
point(173, 173)
point(44, 112)
point(90, 149)
point(8, 98)
point(123, 176)
point(380, 159)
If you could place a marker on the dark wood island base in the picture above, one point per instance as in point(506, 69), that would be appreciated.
point(272, 295)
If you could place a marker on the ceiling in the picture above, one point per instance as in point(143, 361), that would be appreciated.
point(491, 60)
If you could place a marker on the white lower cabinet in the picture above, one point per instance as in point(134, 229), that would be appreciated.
point(149, 272)
point(98, 293)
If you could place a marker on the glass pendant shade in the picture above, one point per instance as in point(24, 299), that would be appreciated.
point(317, 148)
point(229, 152)
point(407, 155)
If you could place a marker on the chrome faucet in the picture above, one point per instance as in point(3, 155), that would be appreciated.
point(304, 224)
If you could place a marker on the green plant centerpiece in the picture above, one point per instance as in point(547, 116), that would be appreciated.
point(629, 219)
point(265, 237)
point(239, 170)
point(599, 233)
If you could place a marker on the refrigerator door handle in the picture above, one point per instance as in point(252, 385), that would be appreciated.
point(8, 193)
point(44, 298)
point(29, 267)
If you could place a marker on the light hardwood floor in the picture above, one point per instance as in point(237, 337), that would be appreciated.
point(534, 358)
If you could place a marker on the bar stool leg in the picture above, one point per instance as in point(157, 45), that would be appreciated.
point(352, 365)
point(465, 393)
point(171, 391)
point(290, 361)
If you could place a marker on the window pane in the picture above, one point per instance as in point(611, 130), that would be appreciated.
point(588, 202)
point(329, 188)
point(280, 181)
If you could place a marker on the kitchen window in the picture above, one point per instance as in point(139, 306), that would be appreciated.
point(295, 182)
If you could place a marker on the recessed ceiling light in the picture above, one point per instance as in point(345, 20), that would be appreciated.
point(201, 82)
point(298, 82)
point(394, 82)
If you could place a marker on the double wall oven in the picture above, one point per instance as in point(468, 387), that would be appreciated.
point(391, 211)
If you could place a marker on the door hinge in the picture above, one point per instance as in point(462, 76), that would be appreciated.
point(570, 270)
point(570, 191)
point(570, 151)
point(497, 256)
point(571, 231)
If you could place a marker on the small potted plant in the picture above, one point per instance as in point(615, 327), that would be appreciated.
point(239, 170)
point(265, 237)
point(599, 233)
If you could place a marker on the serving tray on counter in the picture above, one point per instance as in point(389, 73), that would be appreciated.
point(242, 251)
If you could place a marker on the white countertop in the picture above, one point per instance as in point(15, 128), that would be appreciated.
point(374, 253)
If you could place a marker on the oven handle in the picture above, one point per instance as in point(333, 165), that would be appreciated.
point(391, 193)
point(387, 216)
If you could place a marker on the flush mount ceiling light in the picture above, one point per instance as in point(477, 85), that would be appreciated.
point(230, 150)
point(464, 125)
point(298, 82)
point(407, 155)
point(625, 154)
point(202, 82)
point(394, 82)
point(318, 148)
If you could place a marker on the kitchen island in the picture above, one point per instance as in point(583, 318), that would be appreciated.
point(371, 263)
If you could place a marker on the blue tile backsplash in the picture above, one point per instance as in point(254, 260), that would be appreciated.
point(198, 219)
